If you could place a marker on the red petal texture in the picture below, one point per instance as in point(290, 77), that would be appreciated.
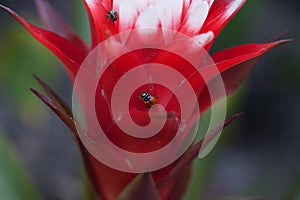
point(238, 54)
point(138, 111)
point(187, 158)
point(219, 15)
point(101, 26)
point(108, 182)
point(177, 187)
point(68, 53)
point(55, 23)
point(234, 64)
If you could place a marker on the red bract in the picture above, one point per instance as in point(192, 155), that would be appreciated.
point(201, 20)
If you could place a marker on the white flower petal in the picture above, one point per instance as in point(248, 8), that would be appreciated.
point(232, 7)
point(127, 12)
point(169, 13)
point(195, 17)
point(140, 4)
point(143, 4)
point(204, 38)
point(210, 2)
point(147, 19)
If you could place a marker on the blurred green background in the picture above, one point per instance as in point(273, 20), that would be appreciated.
point(256, 156)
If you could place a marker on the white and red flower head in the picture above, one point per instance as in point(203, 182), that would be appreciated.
point(118, 25)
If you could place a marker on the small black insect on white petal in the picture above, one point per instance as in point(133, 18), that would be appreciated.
point(112, 15)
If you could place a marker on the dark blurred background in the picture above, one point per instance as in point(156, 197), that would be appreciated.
point(257, 156)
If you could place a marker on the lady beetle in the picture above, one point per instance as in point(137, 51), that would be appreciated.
point(148, 99)
point(112, 15)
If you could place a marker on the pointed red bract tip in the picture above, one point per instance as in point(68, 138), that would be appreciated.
point(68, 53)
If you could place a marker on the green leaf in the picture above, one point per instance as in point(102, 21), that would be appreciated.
point(14, 181)
point(142, 187)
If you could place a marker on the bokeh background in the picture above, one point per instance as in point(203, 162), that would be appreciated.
point(257, 156)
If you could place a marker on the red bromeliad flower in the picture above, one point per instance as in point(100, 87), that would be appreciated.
point(201, 20)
